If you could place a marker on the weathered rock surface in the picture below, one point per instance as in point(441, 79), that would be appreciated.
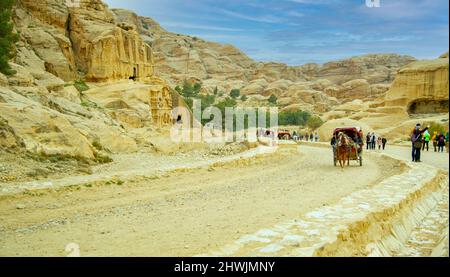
point(42, 130)
point(3, 80)
point(421, 87)
point(135, 105)
point(82, 41)
point(44, 112)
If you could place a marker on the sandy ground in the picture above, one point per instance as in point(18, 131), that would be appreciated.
point(184, 213)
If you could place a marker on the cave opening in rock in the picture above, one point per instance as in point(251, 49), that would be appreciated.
point(134, 74)
point(428, 106)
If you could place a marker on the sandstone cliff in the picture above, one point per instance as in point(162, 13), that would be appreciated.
point(81, 42)
point(422, 86)
point(45, 110)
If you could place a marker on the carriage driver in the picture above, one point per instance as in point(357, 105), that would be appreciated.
point(358, 140)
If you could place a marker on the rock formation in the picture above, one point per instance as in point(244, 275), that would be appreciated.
point(45, 109)
point(82, 42)
point(421, 87)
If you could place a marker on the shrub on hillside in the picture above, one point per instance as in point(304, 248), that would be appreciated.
point(80, 85)
point(314, 122)
point(235, 93)
point(7, 36)
point(298, 118)
point(273, 99)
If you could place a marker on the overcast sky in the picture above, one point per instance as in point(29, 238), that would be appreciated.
point(301, 31)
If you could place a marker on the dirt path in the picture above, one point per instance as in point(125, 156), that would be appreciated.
point(184, 213)
point(439, 160)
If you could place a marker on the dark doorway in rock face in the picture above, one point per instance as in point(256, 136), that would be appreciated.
point(428, 106)
point(134, 74)
point(179, 119)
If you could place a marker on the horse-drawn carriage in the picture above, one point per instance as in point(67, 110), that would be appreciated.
point(284, 135)
point(347, 145)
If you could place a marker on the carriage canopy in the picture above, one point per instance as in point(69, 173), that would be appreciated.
point(349, 131)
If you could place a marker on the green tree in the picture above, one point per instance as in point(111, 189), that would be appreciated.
point(297, 117)
point(216, 91)
point(227, 102)
point(235, 93)
point(179, 89)
point(189, 90)
point(196, 88)
point(244, 98)
point(314, 122)
point(206, 101)
point(7, 37)
point(273, 99)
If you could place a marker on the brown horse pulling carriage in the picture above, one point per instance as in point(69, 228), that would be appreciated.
point(347, 145)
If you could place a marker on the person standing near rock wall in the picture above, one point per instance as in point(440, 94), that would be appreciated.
point(416, 140)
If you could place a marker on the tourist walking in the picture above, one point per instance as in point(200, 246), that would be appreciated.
point(373, 141)
point(311, 137)
point(379, 143)
point(435, 142)
point(316, 137)
point(416, 140)
point(383, 142)
point(426, 140)
point(367, 141)
point(441, 142)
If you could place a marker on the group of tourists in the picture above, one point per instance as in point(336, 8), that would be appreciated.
point(420, 139)
point(374, 141)
point(312, 137)
point(439, 141)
